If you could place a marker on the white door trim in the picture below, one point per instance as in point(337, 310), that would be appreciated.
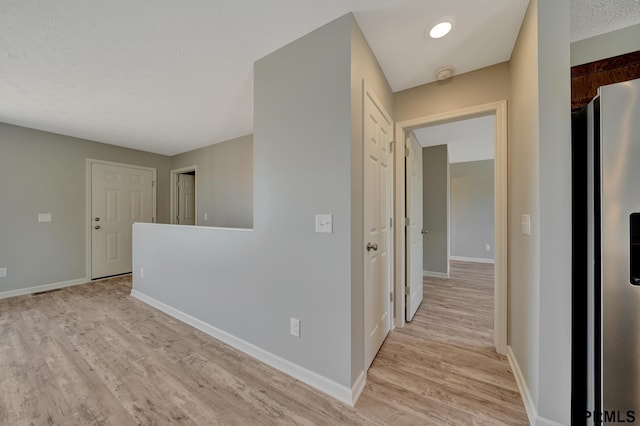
point(173, 179)
point(499, 109)
point(88, 219)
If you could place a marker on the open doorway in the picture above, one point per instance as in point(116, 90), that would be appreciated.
point(183, 196)
point(406, 273)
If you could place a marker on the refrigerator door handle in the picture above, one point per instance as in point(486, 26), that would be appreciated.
point(634, 248)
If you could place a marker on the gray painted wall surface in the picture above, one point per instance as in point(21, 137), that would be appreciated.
point(540, 185)
point(224, 182)
point(435, 187)
point(555, 210)
point(472, 218)
point(614, 43)
point(248, 283)
point(43, 172)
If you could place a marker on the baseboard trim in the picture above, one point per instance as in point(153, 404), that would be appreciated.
point(546, 422)
point(323, 384)
point(471, 259)
point(358, 387)
point(529, 407)
point(40, 288)
point(435, 274)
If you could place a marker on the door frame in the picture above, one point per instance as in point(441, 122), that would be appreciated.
point(173, 181)
point(89, 162)
point(499, 110)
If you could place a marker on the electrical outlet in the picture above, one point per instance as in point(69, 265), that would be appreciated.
point(3, 272)
point(141, 272)
point(295, 327)
point(487, 247)
point(206, 216)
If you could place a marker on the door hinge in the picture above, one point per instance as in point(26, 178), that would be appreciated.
point(391, 222)
point(407, 290)
point(391, 144)
point(153, 220)
point(153, 183)
point(407, 152)
point(391, 297)
point(407, 221)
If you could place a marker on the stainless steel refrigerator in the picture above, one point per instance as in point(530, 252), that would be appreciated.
point(606, 257)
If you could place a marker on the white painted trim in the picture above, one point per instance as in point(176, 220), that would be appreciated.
point(323, 384)
point(87, 196)
point(499, 109)
point(542, 421)
point(472, 259)
point(435, 274)
point(399, 260)
point(173, 180)
point(43, 287)
point(529, 406)
point(358, 387)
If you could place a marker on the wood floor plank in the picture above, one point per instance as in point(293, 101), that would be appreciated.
point(92, 354)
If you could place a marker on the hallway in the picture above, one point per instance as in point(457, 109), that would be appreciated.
point(441, 368)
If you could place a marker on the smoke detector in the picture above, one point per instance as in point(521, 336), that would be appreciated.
point(444, 73)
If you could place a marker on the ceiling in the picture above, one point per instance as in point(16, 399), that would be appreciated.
point(590, 18)
point(467, 140)
point(167, 76)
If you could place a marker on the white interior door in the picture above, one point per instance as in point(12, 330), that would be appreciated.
point(414, 230)
point(186, 199)
point(378, 199)
point(120, 196)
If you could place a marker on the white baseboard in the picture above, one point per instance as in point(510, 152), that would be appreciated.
point(358, 387)
point(323, 384)
point(541, 421)
point(40, 288)
point(529, 407)
point(435, 274)
point(471, 259)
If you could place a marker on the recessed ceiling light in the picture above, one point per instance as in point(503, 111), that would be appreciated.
point(442, 27)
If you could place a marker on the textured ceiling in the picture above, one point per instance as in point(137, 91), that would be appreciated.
point(594, 17)
point(169, 76)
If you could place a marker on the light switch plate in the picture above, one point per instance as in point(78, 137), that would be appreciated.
point(44, 217)
point(324, 223)
point(3, 272)
point(526, 224)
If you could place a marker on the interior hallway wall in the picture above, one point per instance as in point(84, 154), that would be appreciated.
point(224, 182)
point(472, 209)
point(435, 212)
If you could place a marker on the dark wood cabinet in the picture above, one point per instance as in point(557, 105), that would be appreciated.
point(586, 78)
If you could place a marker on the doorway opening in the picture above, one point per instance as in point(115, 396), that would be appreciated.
point(183, 196)
point(409, 277)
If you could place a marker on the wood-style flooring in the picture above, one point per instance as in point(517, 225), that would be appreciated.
point(93, 355)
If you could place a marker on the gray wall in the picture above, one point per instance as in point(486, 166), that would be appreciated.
point(307, 160)
point(42, 172)
point(435, 190)
point(472, 218)
point(248, 283)
point(606, 45)
point(224, 182)
point(539, 184)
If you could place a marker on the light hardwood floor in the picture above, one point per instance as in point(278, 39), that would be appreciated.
point(91, 354)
